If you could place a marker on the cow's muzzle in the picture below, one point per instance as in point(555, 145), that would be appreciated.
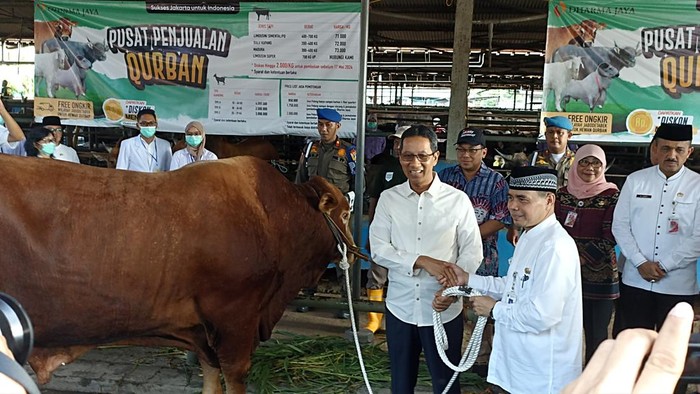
point(340, 238)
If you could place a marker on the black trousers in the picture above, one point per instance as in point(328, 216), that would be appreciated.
point(405, 342)
point(596, 318)
point(646, 309)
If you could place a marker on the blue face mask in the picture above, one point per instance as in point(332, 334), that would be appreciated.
point(148, 131)
point(194, 140)
point(48, 148)
point(372, 125)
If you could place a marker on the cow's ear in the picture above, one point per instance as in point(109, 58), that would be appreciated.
point(327, 203)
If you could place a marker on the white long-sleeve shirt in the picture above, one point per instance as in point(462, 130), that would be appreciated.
point(4, 134)
point(439, 223)
point(538, 343)
point(182, 157)
point(658, 219)
point(66, 153)
point(136, 155)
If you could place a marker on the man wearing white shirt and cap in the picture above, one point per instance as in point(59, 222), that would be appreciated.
point(537, 306)
point(420, 228)
point(657, 226)
point(10, 133)
point(61, 152)
point(145, 152)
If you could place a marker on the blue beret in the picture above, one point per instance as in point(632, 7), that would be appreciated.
point(559, 121)
point(328, 114)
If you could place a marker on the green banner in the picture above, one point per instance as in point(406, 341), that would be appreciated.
point(239, 68)
point(619, 69)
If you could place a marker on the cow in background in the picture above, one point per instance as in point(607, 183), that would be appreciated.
point(617, 57)
point(61, 29)
point(558, 75)
point(75, 50)
point(251, 146)
point(214, 280)
point(580, 34)
point(592, 90)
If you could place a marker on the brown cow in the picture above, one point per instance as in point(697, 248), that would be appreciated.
point(252, 146)
point(61, 29)
point(214, 278)
point(581, 34)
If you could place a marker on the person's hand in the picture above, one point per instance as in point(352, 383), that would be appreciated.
point(513, 234)
point(8, 385)
point(435, 267)
point(651, 271)
point(455, 277)
point(615, 366)
point(482, 305)
point(441, 303)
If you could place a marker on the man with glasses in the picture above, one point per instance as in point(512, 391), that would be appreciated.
point(420, 228)
point(557, 154)
point(333, 159)
point(145, 152)
point(61, 152)
point(657, 224)
point(488, 192)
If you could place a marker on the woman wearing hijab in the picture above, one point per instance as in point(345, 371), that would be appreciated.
point(194, 148)
point(585, 208)
point(40, 143)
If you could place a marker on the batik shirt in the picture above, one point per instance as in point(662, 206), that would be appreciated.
point(488, 192)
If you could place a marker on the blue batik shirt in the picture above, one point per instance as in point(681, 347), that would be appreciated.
point(488, 192)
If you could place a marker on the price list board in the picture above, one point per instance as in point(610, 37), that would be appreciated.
point(244, 101)
point(301, 98)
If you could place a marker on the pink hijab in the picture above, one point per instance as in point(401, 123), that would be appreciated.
point(577, 186)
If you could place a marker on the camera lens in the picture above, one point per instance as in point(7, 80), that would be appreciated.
point(16, 327)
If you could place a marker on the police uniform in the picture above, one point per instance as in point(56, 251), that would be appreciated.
point(545, 160)
point(335, 162)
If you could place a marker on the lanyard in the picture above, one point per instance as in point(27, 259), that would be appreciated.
point(154, 158)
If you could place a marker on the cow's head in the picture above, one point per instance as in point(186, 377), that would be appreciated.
point(336, 209)
point(64, 28)
point(627, 55)
point(98, 50)
point(588, 30)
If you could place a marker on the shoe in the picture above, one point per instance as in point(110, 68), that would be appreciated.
point(374, 319)
point(303, 309)
point(342, 315)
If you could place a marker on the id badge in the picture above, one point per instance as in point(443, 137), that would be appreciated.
point(673, 224)
point(570, 219)
point(511, 297)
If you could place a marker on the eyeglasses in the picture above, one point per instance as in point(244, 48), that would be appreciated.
point(55, 129)
point(147, 124)
point(469, 151)
point(409, 157)
point(593, 163)
point(46, 140)
point(558, 133)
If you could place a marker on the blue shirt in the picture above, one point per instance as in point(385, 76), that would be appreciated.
point(488, 192)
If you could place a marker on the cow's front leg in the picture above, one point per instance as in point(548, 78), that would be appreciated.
point(234, 357)
point(212, 383)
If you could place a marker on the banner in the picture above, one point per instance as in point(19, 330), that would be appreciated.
point(621, 68)
point(239, 68)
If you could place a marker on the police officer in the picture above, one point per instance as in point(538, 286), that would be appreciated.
point(332, 159)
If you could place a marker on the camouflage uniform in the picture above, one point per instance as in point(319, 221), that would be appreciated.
point(544, 159)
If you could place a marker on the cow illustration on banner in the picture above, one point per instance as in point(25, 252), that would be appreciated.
point(620, 69)
point(238, 68)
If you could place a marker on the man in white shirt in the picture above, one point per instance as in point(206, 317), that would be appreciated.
point(62, 151)
point(657, 226)
point(145, 152)
point(10, 133)
point(537, 306)
point(420, 228)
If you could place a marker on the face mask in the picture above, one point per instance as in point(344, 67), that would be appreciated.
point(48, 148)
point(194, 140)
point(371, 125)
point(148, 131)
